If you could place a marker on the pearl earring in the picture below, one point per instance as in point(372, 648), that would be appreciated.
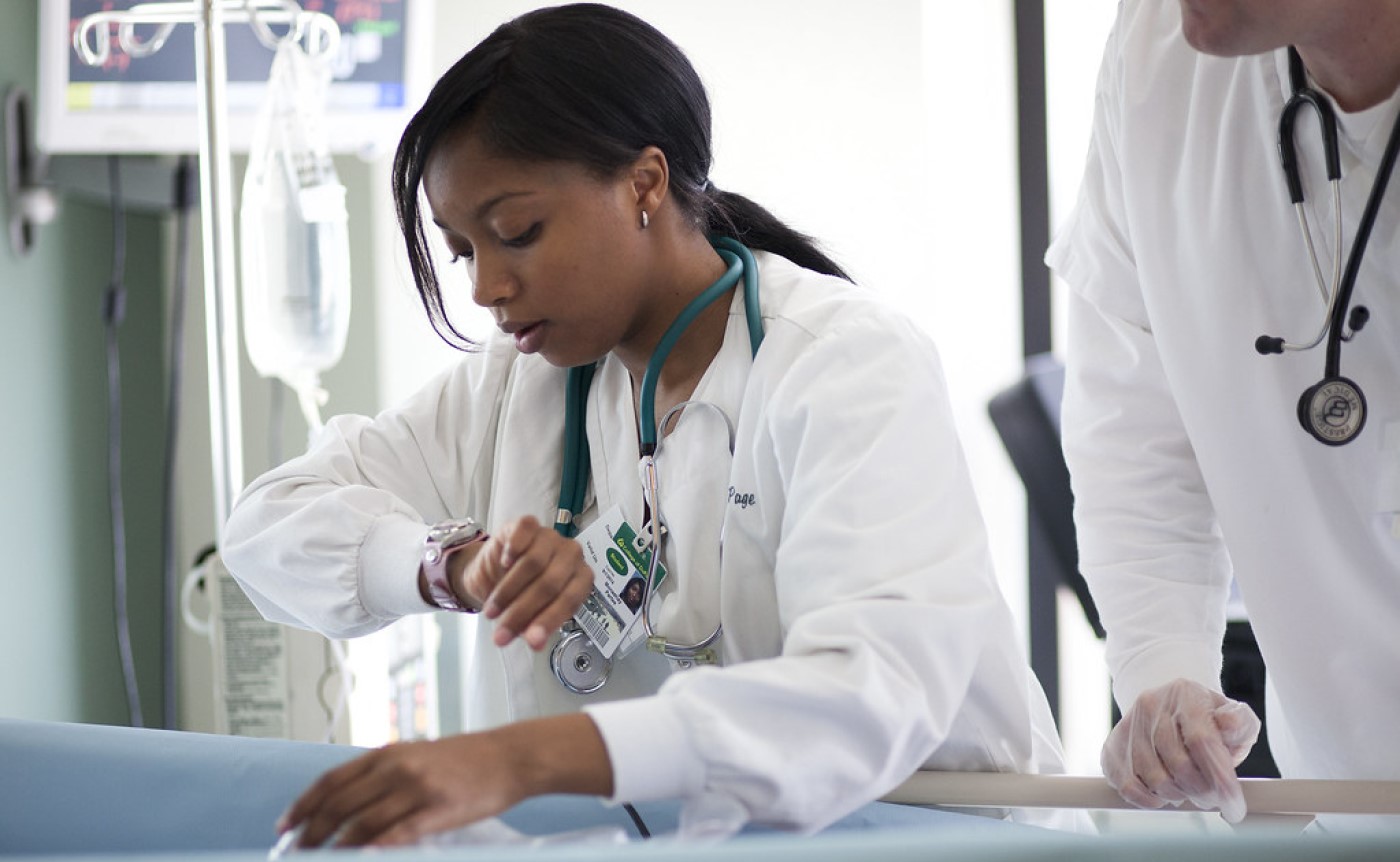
point(645, 220)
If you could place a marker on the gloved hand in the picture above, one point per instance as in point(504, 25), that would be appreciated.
point(1181, 742)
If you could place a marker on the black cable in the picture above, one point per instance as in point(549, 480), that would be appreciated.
point(184, 206)
point(113, 310)
point(637, 820)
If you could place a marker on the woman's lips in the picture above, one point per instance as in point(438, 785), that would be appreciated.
point(530, 339)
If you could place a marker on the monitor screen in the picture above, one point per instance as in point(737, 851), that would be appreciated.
point(149, 104)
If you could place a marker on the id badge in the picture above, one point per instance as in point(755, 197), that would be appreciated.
point(619, 558)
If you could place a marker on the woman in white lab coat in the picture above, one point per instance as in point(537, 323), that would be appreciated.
point(815, 499)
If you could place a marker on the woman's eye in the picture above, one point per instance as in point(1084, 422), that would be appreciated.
point(465, 254)
point(523, 239)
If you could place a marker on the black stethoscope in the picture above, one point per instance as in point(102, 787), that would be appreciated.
point(578, 665)
point(1333, 410)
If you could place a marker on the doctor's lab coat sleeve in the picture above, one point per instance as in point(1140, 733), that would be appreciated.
point(1149, 544)
point(331, 540)
point(897, 647)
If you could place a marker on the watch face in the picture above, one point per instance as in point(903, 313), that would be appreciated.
point(449, 533)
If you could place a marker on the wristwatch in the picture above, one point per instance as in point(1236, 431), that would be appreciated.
point(444, 540)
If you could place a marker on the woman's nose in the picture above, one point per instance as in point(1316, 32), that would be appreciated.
point(492, 282)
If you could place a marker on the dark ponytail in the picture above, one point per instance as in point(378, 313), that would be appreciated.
point(731, 214)
point(591, 85)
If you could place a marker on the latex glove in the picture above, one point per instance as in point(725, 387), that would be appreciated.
point(1178, 743)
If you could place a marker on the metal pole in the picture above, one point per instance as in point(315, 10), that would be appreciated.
point(1043, 575)
point(220, 287)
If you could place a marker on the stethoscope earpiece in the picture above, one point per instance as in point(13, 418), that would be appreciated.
point(1357, 320)
point(1333, 411)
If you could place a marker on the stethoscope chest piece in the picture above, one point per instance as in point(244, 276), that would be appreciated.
point(577, 663)
point(1333, 411)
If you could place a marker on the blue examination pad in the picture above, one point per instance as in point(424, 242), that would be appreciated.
point(81, 789)
point(88, 793)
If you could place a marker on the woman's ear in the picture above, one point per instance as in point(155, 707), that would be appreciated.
point(650, 178)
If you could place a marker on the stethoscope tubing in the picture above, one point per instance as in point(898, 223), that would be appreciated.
point(1329, 290)
point(647, 423)
point(1358, 249)
point(652, 490)
point(1339, 304)
point(740, 264)
point(576, 455)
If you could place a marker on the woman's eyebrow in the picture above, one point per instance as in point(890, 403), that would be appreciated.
point(486, 207)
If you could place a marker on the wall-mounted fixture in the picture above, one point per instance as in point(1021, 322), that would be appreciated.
point(29, 201)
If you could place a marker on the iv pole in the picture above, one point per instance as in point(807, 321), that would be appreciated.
point(92, 41)
point(216, 208)
point(221, 307)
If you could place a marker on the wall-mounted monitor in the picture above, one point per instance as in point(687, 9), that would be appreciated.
point(149, 104)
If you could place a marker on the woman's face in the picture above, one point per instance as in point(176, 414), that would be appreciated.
point(554, 252)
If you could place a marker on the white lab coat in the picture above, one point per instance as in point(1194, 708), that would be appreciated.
point(841, 546)
point(1188, 458)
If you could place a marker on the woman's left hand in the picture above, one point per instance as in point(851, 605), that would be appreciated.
point(401, 793)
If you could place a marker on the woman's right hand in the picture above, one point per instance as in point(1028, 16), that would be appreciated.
point(403, 792)
point(528, 579)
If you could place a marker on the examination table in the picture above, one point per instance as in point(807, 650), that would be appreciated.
point(97, 792)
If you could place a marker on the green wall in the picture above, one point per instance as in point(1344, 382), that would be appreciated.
point(59, 657)
point(58, 647)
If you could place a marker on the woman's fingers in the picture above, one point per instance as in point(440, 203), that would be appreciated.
point(413, 827)
point(378, 822)
point(541, 581)
point(342, 800)
point(305, 810)
point(545, 587)
point(553, 615)
point(489, 566)
point(524, 551)
point(398, 794)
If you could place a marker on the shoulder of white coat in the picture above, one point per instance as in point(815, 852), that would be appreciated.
point(802, 308)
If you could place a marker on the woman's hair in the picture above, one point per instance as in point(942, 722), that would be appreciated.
point(591, 85)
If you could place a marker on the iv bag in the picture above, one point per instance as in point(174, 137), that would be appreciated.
point(295, 250)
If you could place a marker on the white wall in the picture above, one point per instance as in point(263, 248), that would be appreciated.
point(1075, 31)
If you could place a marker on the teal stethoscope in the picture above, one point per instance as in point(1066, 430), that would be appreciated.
point(576, 662)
